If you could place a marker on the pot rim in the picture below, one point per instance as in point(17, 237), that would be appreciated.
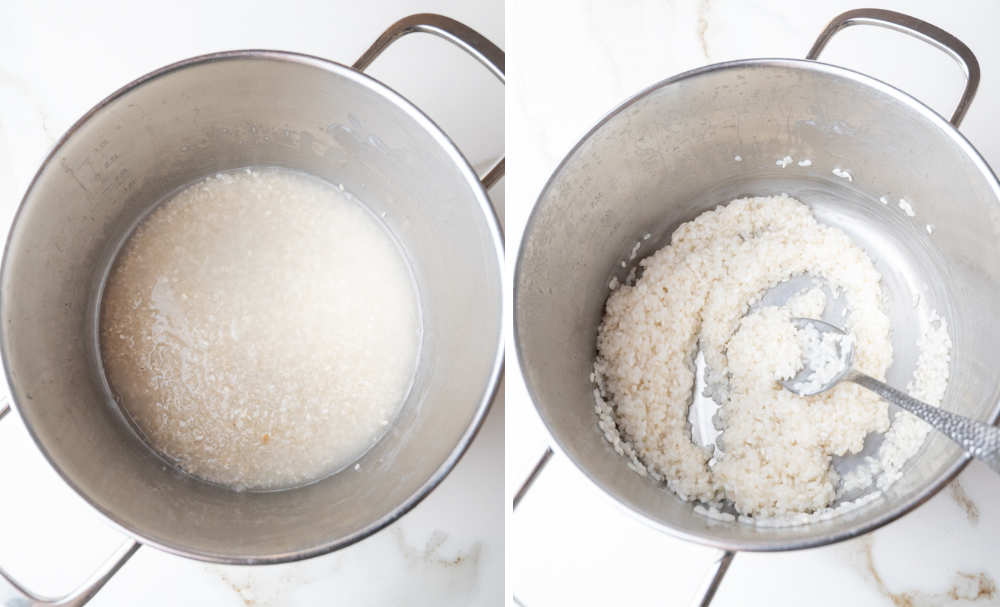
point(482, 198)
point(914, 104)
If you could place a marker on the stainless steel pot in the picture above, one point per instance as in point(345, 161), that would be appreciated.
point(667, 154)
point(219, 112)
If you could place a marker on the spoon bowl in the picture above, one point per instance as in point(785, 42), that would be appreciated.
point(827, 357)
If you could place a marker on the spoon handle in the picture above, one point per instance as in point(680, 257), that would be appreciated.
point(978, 439)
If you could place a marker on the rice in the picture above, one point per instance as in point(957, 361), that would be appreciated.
point(260, 328)
point(773, 461)
point(826, 356)
point(907, 432)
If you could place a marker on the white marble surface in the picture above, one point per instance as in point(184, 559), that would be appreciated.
point(59, 59)
point(572, 61)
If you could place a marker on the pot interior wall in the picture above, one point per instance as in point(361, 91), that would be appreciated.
point(192, 120)
point(669, 155)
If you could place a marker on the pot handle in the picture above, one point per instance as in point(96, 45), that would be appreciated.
point(536, 471)
point(532, 477)
point(711, 584)
point(458, 34)
point(920, 30)
point(705, 593)
point(82, 593)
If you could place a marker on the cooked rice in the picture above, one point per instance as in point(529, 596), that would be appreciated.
point(774, 457)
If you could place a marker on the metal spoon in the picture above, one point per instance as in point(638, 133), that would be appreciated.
point(978, 439)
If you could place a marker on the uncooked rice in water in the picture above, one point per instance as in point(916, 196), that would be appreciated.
point(260, 328)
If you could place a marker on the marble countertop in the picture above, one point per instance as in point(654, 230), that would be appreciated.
point(60, 58)
point(570, 63)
